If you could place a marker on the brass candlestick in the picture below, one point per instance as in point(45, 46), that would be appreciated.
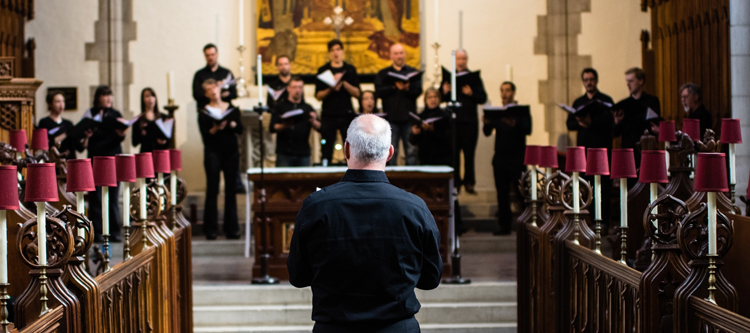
point(712, 278)
point(731, 193)
point(624, 246)
point(438, 73)
point(144, 228)
point(174, 217)
point(533, 213)
point(598, 236)
point(576, 228)
point(4, 298)
point(240, 83)
point(126, 244)
point(105, 248)
point(43, 290)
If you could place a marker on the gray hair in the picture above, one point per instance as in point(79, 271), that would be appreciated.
point(369, 138)
point(693, 89)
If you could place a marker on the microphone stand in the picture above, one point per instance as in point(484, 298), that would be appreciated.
point(455, 278)
point(264, 278)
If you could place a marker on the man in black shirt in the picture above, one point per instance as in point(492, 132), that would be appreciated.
point(398, 99)
point(510, 148)
point(470, 93)
point(284, 66)
point(216, 72)
point(630, 114)
point(293, 130)
point(692, 100)
point(337, 110)
point(594, 129)
point(363, 245)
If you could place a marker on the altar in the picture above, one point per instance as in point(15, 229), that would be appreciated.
point(287, 188)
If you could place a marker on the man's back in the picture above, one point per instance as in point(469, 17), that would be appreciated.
point(364, 245)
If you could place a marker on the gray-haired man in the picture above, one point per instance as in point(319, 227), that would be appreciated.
point(363, 244)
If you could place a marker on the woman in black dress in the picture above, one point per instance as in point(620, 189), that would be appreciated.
point(145, 132)
point(57, 128)
point(432, 135)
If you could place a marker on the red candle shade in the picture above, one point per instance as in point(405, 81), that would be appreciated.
point(548, 157)
point(80, 176)
point(531, 157)
point(39, 140)
point(175, 159)
point(623, 163)
point(105, 171)
point(41, 183)
point(161, 161)
point(575, 160)
point(711, 173)
point(144, 165)
point(692, 127)
point(653, 168)
point(667, 131)
point(8, 187)
point(730, 131)
point(125, 164)
point(18, 140)
point(596, 162)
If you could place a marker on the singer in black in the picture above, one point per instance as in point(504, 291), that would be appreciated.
point(631, 115)
point(145, 131)
point(433, 139)
point(57, 128)
point(691, 95)
point(213, 71)
point(470, 93)
point(105, 142)
point(293, 131)
point(337, 108)
point(284, 66)
point(399, 98)
point(220, 155)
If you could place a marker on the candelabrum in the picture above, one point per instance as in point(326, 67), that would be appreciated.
point(241, 88)
point(436, 67)
point(624, 245)
point(4, 299)
point(126, 243)
point(105, 247)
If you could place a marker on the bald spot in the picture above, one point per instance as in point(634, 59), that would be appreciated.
point(372, 124)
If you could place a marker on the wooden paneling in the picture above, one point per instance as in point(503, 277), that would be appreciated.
point(13, 16)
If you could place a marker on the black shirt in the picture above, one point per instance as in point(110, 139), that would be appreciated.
point(364, 245)
point(204, 74)
point(510, 141)
point(337, 103)
point(277, 84)
point(69, 146)
point(223, 141)
point(145, 134)
point(702, 114)
point(105, 141)
point(468, 111)
point(434, 146)
point(397, 103)
point(634, 123)
point(294, 141)
point(599, 132)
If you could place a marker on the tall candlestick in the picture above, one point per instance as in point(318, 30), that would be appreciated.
point(41, 229)
point(170, 84)
point(598, 197)
point(242, 22)
point(732, 171)
point(81, 209)
point(143, 199)
point(260, 80)
point(666, 156)
point(711, 223)
point(437, 20)
point(160, 181)
point(624, 202)
point(105, 210)
point(173, 188)
point(548, 172)
point(453, 76)
point(3, 247)
point(126, 204)
point(654, 194)
point(576, 195)
point(532, 182)
point(507, 73)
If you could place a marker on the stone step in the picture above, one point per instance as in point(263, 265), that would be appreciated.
point(472, 243)
point(480, 224)
point(285, 294)
point(218, 248)
point(425, 328)
point(482, 209)
point(430, 313)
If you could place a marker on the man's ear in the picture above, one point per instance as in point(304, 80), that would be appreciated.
point(347, 153)
point(390, 153)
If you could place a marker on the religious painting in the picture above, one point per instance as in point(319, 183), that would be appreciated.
point(70, 94)
point(301, 29)
point(287, 230)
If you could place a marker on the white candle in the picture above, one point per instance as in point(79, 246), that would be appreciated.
point(437, 24)
point(576, 199)
point(3, 247)
point(711, 223)
point(453, 77)
point(143, 198)
point(654, 194)
point(666, 156)
point(597, 197)
point(507, 73)
point(173, 187)
point(260, 79)
point(81, 209)
point(549, 172)
point(732, 172)
point(126, 204)
point(41, 229)
point(160, 181)
point(624, 202)
point(105, 210)
point(242, 22)
point(533, 182)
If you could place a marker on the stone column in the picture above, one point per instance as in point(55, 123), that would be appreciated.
point(739, 34)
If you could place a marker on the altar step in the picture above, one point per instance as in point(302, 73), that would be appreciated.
point(480, 307)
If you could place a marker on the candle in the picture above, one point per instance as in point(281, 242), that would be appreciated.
point(732, 172)
point(173, 187)
point(105, 210)
point(170, 83)
point(597, 197)
point(576, 199)
point(653, 196)
point(160, 181)
point(453, 77)
point(3, 247)
point(437, 24)
point(533, 182)
point(143, 198)
point(666, 156)
point(242, 22)
point(260, 79)
point(507, 73)
point(81, 209)
point(711, 223)
point(126, 204)
point(41, 229)
point(624, 202)
point(549, 172)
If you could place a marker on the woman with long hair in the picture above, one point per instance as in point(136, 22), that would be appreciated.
point(57, 128)
point(367, 102)
point(145, 132)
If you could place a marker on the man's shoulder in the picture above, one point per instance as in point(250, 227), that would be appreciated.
point(346, 190)
point(604, 97)
point(580, 100)
point(324, 68)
